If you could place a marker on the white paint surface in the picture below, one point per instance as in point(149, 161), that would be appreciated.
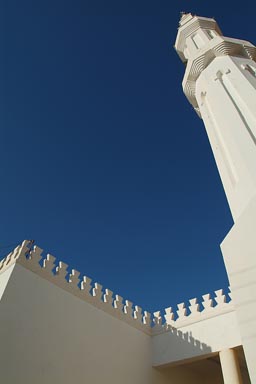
point(50, 336)
point(4, 278)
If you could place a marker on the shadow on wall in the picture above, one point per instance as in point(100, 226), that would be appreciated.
point(175, 352)
point(174, 345)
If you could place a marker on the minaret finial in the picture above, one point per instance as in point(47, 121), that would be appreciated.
point(185, 17)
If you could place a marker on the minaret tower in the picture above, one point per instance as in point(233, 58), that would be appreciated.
point(220, 83)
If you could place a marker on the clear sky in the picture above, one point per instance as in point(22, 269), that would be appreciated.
point(103, 161)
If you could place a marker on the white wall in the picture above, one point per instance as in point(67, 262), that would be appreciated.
point(239, 251)
point(231, 130)
point(50, 336)
point(200, 338)
point(52, 331)
point(4, 278)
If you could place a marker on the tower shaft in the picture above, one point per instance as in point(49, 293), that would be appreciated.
point(226, 95)
point(220, 83)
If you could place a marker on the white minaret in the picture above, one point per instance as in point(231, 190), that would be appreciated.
point(220, 83)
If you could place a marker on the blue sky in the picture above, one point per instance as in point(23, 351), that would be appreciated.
point(103, 161)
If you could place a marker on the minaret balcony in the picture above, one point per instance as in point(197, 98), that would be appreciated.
point(216, 47)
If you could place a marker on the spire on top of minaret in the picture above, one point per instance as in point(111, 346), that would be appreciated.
point(185, 17)
point(199, 41)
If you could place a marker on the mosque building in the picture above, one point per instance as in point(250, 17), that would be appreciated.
point(59, 327)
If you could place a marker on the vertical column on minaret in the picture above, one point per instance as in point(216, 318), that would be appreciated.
point(220, 83)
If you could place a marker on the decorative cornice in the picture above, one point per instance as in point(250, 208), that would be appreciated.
point(190, 24)
point(196, 311)
point(30, 257)
point(217, 47)
point(198, 59)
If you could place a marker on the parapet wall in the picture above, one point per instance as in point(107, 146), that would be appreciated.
point(196, 311)
point(30, 257)
point(51, 331)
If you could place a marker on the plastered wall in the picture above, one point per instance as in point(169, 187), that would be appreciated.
point(50, 336)
point(53, 330)
point(200, 338)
